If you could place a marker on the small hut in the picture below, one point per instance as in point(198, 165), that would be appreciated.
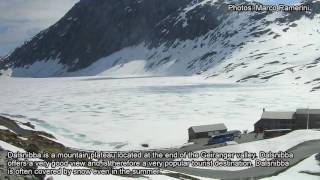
point(205, 131)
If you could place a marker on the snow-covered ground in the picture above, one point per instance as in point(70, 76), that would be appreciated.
point(309, 164)
point(155, 177)
point(81, 177)
point(12, 148)
point(122, 113)
point(282, 143)
point(9, 147)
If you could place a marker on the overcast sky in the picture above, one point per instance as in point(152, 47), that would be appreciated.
point(21, 19)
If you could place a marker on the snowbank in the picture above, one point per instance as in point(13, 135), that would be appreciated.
point(281, 143)
point(10, 147)
point(309, 164)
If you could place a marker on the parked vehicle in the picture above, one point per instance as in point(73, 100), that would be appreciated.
point(224, 137)
point(221, 138)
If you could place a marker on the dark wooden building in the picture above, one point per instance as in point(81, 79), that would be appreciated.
point(275, 120)
point(206, 131)
point(301, 119)
point(307, 119)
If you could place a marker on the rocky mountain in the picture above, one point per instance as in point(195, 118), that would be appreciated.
point(182, 37)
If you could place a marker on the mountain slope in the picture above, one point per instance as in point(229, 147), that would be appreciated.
point(185, 37)
point(93, 29)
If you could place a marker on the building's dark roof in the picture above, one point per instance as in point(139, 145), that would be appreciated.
point(277, 115)
point(228, 133)
point(234, 131)
point(308, 111)
point(277, 130)
point(208, 128)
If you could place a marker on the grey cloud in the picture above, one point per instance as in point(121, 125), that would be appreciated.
point(20, 19)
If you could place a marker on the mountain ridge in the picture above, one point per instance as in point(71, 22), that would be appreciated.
point(191, 37)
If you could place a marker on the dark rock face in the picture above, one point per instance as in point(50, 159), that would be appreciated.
point(29, 140)
point(195, 23)
point(3, 170)
point(93, 29)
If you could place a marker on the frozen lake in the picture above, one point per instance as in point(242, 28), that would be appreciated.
point(122, 113)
